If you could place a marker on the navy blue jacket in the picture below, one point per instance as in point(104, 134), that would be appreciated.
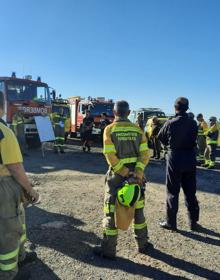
point(179, 135)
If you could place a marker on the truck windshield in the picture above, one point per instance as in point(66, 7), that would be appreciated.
point(56, 109)
point(97, 109)
point(18, 91)
point(149, 114)
point(132, 117)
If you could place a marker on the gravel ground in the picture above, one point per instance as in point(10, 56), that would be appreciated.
point(67, 224)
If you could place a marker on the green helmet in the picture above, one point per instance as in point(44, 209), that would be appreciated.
point(129, 194)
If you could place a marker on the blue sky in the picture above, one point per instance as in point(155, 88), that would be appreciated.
point(146, 51)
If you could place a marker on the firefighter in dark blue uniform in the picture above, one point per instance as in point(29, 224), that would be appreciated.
point(179, 135)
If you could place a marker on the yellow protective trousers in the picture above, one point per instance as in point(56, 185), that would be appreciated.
point(12, 227)
point(110, 232)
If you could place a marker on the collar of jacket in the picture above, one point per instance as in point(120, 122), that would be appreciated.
point(121, 119)
point(182, 114)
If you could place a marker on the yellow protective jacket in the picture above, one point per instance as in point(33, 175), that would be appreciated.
point(125, 144)
point(67, 125)
point(202, 128)
point(18, 125)
point(212, 135)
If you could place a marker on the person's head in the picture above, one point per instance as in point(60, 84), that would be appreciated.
point(140, 116)
point(191, 115)
point(155, 120)
point(88, 113)
point(121, 109)
point(2, 104)
point(104, 115)
point(212, 120)
point(181, 105)
point(199, 117)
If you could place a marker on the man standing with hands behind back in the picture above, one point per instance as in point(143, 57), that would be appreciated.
point(14, 187)
point(179, 135)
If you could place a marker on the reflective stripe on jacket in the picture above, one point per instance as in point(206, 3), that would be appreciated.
point(59, 120)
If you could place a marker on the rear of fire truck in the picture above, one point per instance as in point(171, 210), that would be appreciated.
point(31, 98)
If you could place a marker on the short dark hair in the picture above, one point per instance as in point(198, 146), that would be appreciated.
point(199, 116)
point(182, 104)
point(2, 100)
point(122, 108)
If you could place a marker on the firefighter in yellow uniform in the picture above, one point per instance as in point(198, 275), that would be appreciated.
point(59, 120)
point(201, 138)
point(13, 185)
point(126, 152)
point(18, 128)
point(212, 140)
point(67, 127)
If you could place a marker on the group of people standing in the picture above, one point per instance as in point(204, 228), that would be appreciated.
point(207, 139)
point(127, 153)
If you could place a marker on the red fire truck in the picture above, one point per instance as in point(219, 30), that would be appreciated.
point(30, 97)
point(97, 106)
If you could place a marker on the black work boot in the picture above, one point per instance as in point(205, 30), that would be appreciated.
point(23, 275)
point(30, 257)
point(146, 248)
point(165, 225)
point(98, 251)
point(211, 167)
point(194, 226)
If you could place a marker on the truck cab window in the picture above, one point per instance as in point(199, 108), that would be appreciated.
point(1, 86)
point(27, 91)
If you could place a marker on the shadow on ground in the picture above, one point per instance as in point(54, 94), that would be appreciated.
point(205, 239)
point(74, 159)
point(207, 180)
point(77, 244)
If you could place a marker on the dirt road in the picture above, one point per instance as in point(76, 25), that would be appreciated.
point(67, 224)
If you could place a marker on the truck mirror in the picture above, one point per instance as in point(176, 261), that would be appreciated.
point(53, 93)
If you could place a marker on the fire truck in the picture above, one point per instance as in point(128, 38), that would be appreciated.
point(96, 106)
point(30, 97)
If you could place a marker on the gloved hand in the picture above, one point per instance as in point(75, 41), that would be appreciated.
point(135, 179)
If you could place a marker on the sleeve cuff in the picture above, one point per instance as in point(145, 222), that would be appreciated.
point(124, 171)
point(139, 172)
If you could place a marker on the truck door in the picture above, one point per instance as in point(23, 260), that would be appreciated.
point(73, 116)
point(2, 89)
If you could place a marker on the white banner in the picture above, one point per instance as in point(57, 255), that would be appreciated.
point(44, 128)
